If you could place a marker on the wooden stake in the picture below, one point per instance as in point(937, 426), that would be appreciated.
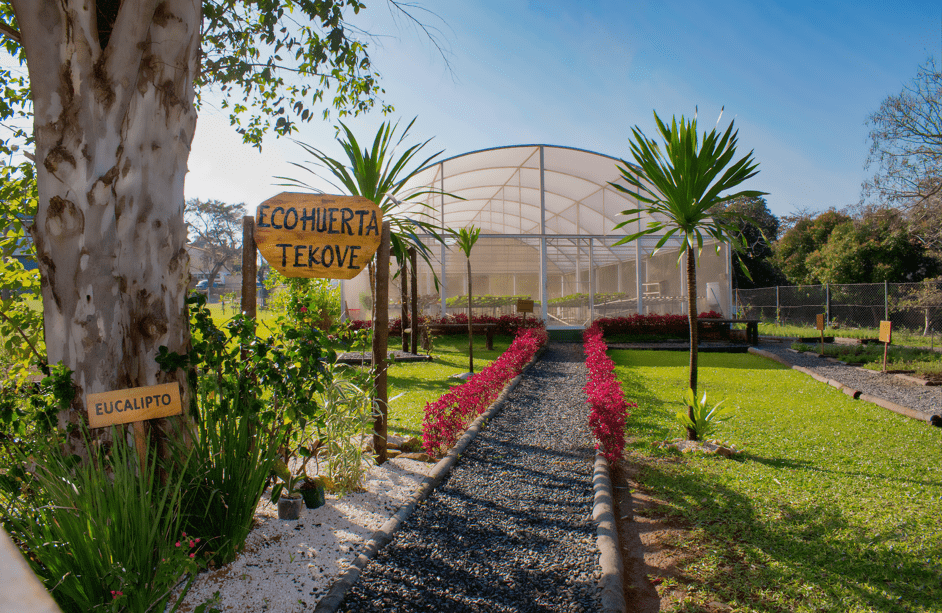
point(249, 269)
point(380, 345)
point(140, 442)
point(414, 321)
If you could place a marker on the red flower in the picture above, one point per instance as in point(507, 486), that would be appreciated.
point(304, 309)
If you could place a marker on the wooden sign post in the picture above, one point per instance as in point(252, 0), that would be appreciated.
point(314, 235)
point(524, 306)
point(134, 406)
point(886, 337)
point(820, 326)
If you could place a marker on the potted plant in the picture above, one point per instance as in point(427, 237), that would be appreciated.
point(312, 491)
point(286, 493)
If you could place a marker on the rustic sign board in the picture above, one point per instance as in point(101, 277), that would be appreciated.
point(524, 306)
point(886, 332)
point(135, 404)
point(316, 235)
point(820, 321)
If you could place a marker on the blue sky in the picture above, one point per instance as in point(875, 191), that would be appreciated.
point(799, 78)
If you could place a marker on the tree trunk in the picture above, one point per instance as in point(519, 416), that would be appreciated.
point(404, 297)
point(470, 331)
point(694, 336)
point(380, 338)
point(415, 301)
point(112, 131)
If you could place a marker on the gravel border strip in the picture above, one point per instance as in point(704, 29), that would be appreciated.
point(610, 584)
point(331, 601)
point(855, 394)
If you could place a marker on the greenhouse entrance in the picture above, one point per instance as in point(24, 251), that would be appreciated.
point(547, 216)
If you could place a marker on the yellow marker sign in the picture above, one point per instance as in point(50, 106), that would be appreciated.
point(886, 332)
point(311, 235)
point(524, 306)
point(135, 404)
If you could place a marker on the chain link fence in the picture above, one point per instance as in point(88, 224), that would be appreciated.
point(916, 307)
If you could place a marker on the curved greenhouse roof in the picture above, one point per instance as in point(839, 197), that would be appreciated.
point(502, 191)
point(547, 216)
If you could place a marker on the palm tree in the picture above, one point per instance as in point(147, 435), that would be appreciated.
point(378, 174)
point(680, 184)
point(466, 238)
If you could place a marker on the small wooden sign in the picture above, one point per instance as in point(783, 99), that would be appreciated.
point(135, 404)
point(524, 306)
point(886, 332)
point(820, 321)
point(315, 235)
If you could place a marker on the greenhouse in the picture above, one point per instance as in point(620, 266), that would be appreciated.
point(547, 216)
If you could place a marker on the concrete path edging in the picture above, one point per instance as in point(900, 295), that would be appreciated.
point(612, 589)
point(331, 601)
point(856, 394)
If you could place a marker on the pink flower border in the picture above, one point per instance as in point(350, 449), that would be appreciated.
point(446, 418)
point(608, 408)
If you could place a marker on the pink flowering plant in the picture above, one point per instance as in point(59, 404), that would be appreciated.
point(608, 408)
point(446, 418)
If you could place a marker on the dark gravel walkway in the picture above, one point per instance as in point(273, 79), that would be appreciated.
point(925, 399)
point(511, 528)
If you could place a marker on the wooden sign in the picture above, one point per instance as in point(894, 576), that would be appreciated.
point(886, 332)
point(135, 404)
point(314, 235)
point(524, 306)
point(820, 321)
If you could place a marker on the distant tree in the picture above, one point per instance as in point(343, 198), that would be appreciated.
point(874, 249)
point(466, 238)
point(758, 230)
point(906, 151)
point(806, 236)
point(216, 229)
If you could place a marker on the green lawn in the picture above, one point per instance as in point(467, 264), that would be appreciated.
point(834, 504)
point(424, 382)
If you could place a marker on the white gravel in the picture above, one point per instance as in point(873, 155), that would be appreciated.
point(287, 565)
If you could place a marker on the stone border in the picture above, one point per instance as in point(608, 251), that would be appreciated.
point(855, 394)
point(331, 601)
point(610, 584)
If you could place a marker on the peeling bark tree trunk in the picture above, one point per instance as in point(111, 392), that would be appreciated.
point(694, 324)
point(114, 118)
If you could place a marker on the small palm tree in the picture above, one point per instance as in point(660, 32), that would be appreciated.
point(680, 184)
point(466, 238)
point(378, 174)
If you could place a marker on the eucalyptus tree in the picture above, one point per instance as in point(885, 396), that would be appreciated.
point(113, 90)
point(466, 238)
point(679, 181)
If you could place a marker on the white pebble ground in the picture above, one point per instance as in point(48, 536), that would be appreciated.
point(288, 566)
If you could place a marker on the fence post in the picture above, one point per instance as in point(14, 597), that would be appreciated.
point(827, 302)
point(886, 300)
point(778, 320)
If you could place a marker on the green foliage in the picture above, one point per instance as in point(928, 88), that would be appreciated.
point(305, 302)
point(831, 506)
point(874, 249)
point(274, 60)
point(104, 534)
point(806, 237)
point(757, 230)
point(378, 174)
point(704, 418)
point(349, 412)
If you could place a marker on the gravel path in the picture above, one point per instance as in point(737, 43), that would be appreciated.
point(511, 528)
point(922, 398)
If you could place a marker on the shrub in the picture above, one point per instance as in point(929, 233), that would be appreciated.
point(507, 325)
point(608, 409)
point(446, 418)
point(654, 325)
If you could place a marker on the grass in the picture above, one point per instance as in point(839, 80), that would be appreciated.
point(834, 504)
point(922, 362)
point(900, 336)
point(423, 382)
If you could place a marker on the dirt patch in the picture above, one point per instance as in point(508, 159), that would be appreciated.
point(648, 539)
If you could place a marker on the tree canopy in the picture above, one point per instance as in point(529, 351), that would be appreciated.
point(757, 230)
